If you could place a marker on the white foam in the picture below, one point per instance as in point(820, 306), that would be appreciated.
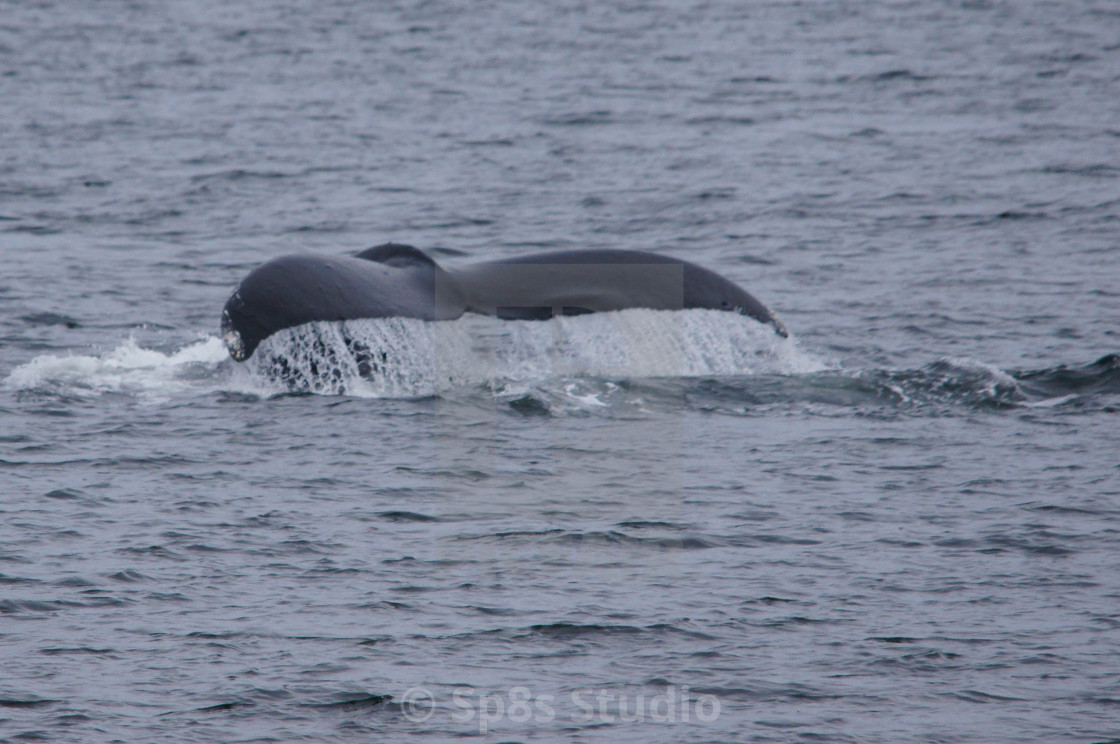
point(990, 379)
point(975, 366)
point(129, 369)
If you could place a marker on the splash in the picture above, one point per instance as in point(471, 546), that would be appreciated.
point(403, 357)
point(128, 369)
point(408, 358)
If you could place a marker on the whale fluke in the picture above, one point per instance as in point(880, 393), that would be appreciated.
point(396, 280)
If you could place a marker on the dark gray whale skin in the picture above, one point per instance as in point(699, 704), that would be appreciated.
point(394, 280)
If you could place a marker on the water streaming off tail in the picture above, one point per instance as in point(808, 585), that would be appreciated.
point(403, 357)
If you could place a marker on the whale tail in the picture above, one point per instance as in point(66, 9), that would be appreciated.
point(396, 280)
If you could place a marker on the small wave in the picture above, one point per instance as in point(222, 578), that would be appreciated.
point(25, 702)
point(976, 384)
point(956, 380)
point(946, 385)
point(1063, 382)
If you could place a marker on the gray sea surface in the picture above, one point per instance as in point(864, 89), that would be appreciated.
point(902, 524)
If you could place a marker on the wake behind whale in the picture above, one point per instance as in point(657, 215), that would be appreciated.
point(633, 359)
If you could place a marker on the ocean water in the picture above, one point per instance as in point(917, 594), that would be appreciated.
point(902, 524)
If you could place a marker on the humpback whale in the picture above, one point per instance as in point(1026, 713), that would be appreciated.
point(393, 280)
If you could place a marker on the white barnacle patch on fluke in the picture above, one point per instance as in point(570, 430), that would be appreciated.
point(236, 347)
